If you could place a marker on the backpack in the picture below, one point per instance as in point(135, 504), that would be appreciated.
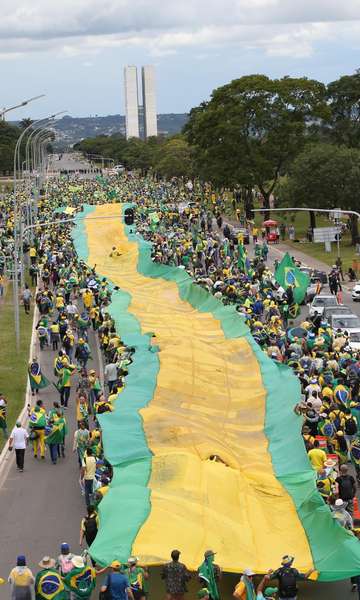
point(90, 526)
point(350, 426)
point(287, 582)
point(65, 563)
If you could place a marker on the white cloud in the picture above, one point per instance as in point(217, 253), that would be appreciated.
point(82, 27)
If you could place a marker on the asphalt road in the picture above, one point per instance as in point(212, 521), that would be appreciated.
point(73, 163)
point(43, 506)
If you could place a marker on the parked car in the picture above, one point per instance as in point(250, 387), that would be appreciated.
point(355, 294)
point(320, 302)
point(349, 323)
point(340, 309)
point(313, 289)
point(321, 275)
point(355, 340)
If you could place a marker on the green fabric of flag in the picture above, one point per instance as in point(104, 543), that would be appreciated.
point(56, 435)
point(206, 572)
point(38, 381)
point(241, 258)
point(288, 274)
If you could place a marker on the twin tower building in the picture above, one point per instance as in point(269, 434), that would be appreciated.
point(141, 120)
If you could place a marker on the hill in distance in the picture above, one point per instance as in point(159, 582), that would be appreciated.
point(71, 130)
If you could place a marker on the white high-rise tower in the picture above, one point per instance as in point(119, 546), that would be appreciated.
point(149, 100)
point(131, 102)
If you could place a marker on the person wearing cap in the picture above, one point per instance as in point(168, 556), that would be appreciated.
point(137, 577)
point(209, 574)
point(48, 582)
point(176, 576)
point(21, 580)
point(18, 440)
point(116, 584)
point(245, 589)
point(81, 580)
point(288, 577)
point(64, 562)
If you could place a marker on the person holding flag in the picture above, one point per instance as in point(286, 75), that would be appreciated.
point(242, 256)
point(245, 589)
point(48, 582)
point(209, 574)
point(37, 424)
point(37, 380)
point(289, 276)
point(81, 580)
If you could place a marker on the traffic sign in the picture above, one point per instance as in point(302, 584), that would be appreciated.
point(326, 234)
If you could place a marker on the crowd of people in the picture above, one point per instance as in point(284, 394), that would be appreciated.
point(187, 229)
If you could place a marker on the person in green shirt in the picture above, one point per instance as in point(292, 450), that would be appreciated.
point(137, 577)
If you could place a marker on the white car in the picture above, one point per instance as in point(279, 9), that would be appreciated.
point(355, 340)
point(355, 294)
point(349, 323)
point(320, 302)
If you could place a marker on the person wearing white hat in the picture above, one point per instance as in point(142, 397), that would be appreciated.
point(48, 575)
point(245, 589)
point(341, 514)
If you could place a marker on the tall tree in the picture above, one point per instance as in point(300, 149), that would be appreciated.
point(327, 176)
point(343, 96)
point(24, 123)
point(251, 129)
point(174, 159)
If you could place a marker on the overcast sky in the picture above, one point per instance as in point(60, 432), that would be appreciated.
point(74, 51)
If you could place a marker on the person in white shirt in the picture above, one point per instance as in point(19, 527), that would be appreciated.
point(18, 440)
point(111, 375)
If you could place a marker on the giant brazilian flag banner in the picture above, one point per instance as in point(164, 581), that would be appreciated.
point(209, 391)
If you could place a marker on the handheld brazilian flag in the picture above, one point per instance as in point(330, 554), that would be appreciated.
point(37, 380)
point(81, 581)
point(49, 586)
point(288, 274)
point(207, 574)
point(242, 262)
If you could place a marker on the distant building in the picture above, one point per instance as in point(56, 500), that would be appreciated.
point(131, 102)
point(141, 121)
point(149, 100)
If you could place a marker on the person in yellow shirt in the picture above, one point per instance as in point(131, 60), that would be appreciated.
point(317, 457)
point(32, 254)
point(245, 589)
point(55, 335)
point(88, 299)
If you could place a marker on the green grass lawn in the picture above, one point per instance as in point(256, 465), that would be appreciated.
point(301, 222)
point(13, 364)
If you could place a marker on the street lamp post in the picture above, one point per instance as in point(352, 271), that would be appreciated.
point(17, 222)
point(24, 103)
